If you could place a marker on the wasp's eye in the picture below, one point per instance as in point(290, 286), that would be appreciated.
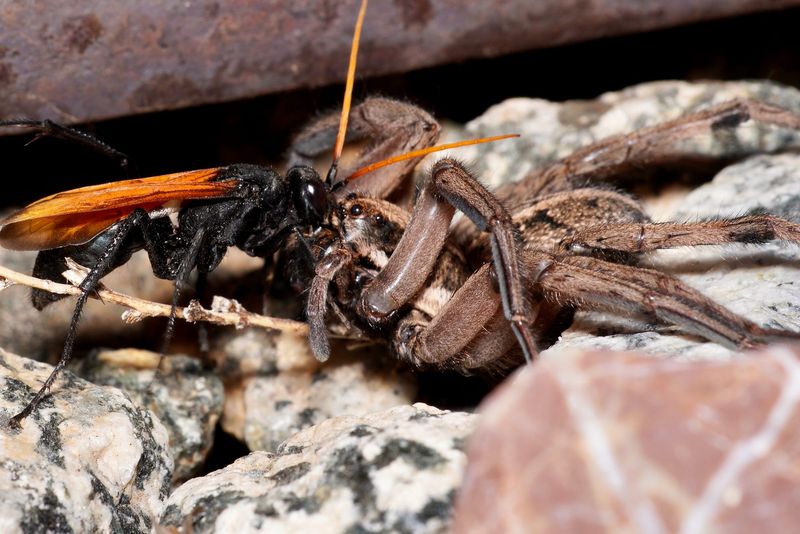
point(309, 194)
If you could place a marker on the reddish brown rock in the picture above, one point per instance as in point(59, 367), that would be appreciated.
point(611, 442)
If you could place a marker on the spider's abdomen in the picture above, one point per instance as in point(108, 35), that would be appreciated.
point(547, 221)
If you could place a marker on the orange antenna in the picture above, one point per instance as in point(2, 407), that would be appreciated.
point(348, 96)
point(424, 152)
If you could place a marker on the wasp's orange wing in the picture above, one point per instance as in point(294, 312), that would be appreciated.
point(75, 216)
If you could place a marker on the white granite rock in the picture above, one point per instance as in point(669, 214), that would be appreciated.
point(88, 460)
point(186, 398)
point(275, 387)
point(391, 471)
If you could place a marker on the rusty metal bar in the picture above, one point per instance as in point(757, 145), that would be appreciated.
point(96, 59)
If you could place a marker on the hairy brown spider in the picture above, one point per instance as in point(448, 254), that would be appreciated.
point(556, 240)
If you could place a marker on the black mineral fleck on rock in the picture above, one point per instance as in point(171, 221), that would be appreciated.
point(361, 431)
point(419, 455)
point(291, 473)
point(49, 443)
point(438, 508)
point(206, 510)
point(289, 449)
point(49, 517)
point(294, 503)
point(348, 467)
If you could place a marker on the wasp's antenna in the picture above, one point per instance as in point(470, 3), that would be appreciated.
point(424, 152)
point(348, 96)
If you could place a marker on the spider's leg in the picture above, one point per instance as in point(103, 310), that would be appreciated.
point(652, 147)
point(326, 269)
point(451, 186)
point(391, 127)
point(591, 283)
point(469, 332)
point(630, 237)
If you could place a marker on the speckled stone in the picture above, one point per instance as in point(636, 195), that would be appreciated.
point(275, 387)
point(621, 442)
point(391, 471)
point(186, 398)
point(88, 460)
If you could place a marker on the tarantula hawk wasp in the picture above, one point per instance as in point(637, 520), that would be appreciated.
point(188, 220)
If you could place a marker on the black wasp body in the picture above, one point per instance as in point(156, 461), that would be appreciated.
point(256, 215)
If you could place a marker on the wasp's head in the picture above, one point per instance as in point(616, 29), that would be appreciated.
point(309, 195)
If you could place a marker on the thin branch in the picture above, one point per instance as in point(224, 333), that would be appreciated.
point(223, 311)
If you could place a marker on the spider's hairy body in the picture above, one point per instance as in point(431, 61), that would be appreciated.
point(577, 241)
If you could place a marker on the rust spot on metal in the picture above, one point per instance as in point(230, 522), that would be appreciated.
point(414, 12)
point(81, 32)
point(159, 92)
point(96, 59)
point(326, 12)
point(7, 74)
point(212, 10)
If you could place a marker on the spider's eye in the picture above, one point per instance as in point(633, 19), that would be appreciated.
point(356, 210)
point(361, 280)
point(379, 220)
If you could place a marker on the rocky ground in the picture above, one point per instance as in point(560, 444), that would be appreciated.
point(673, 434)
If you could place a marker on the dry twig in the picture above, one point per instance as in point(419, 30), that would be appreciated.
point(223, 311)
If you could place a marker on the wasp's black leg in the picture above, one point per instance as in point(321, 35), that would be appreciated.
point(266, 284)
point(202, 329)
point(52, 129)
point(105, 263)
point(181, 278)
point(307, 253)
point(172, 259)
